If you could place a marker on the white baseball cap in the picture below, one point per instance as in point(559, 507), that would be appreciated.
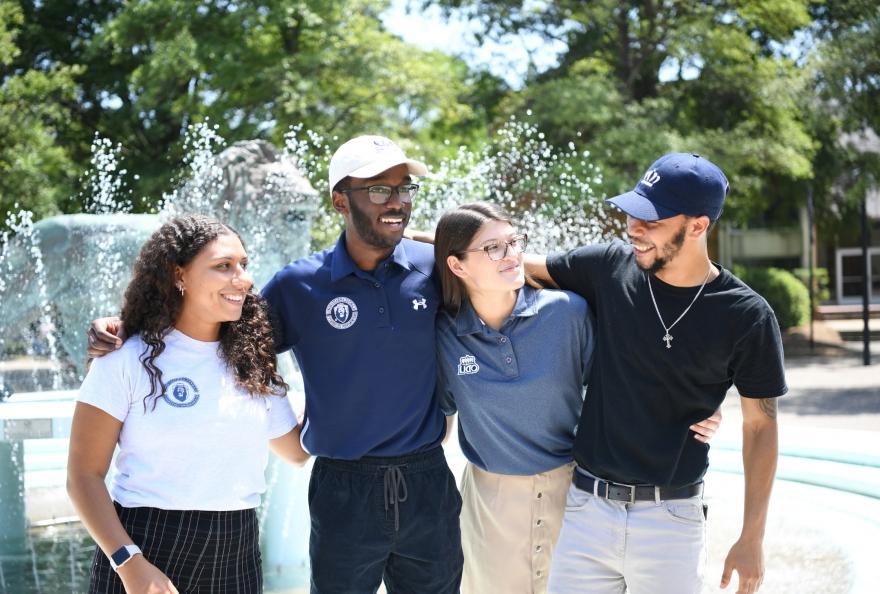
point(366, 156)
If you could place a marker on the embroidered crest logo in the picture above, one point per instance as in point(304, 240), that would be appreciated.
point(181, 392)
point(467, 365)
point(420, 303)
point(341, 313)
point(651, 178)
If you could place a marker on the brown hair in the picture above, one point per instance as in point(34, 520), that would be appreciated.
point(455, 231)
point(152, 304)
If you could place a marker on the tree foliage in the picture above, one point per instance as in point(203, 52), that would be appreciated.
point(767, 88)
point(643, 77)
point(145, 70)
point(35, 168)
point(845, 111)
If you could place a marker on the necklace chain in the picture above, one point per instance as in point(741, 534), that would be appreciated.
point(668, 337)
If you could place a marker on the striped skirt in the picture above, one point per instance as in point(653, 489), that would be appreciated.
point(202, 552)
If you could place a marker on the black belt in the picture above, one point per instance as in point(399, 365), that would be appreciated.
point(631, 493)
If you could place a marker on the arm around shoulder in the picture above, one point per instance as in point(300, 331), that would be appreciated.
point(417, 235)
point(536, 268)
point(105, 335)
point(289, 448)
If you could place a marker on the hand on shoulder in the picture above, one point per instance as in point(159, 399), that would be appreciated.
point(105, 335)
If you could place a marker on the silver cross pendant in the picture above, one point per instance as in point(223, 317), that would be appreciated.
point(668, 339)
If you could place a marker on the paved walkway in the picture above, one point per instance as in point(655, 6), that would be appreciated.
point(819, 539)
point(825, 512)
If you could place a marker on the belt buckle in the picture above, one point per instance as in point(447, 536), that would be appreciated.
point(632, 491)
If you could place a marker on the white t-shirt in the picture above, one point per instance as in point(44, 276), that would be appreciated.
point(205, 445)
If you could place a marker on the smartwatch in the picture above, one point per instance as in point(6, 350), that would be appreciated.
point(122, 555)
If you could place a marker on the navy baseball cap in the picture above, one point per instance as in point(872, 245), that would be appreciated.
point(677, 183)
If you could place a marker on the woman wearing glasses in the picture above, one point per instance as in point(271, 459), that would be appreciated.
point(512, 362)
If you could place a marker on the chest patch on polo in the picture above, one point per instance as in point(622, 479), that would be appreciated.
point(341, 313)
point(468, 365)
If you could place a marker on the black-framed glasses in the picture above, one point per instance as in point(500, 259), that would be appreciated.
point(497, 250)
point(382, 194)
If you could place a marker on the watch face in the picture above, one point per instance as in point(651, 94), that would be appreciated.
point(120, 556)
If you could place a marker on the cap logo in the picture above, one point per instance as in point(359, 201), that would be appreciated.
point(382, 143)
point(651, 178)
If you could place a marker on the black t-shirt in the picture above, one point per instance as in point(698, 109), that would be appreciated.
point(642, 396)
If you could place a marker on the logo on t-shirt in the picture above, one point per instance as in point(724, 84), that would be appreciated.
point(420, 303)
point(341, 313)
point(181, 392)
point(467, 365)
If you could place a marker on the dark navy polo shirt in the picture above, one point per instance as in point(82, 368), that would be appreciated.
point(364, 342)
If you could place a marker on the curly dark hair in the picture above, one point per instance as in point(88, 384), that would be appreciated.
point(152, 304)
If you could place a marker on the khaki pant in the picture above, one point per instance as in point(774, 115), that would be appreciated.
point(509, 527)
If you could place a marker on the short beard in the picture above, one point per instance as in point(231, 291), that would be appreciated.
point(364, 227)
point(670, 251)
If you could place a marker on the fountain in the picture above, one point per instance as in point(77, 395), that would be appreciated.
point(61, 272)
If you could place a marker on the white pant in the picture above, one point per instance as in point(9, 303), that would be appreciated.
point(647, 547)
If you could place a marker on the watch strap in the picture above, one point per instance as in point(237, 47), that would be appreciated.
point(122, 555)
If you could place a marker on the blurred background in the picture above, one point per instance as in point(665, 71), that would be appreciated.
point(114, 114)
point(782, 94)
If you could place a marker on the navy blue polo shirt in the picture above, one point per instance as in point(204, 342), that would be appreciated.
point(364, 342)
point(518, 390)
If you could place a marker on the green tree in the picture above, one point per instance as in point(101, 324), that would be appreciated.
point(642, 77)
point(845, 112)
point(36, 173)
point(153, 67)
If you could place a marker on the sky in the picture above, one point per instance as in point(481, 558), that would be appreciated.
point(508, 59)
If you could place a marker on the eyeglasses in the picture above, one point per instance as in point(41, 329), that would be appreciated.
point(498, 250)
point(382, 194)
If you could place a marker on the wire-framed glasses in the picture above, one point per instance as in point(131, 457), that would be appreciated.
point(497, 250)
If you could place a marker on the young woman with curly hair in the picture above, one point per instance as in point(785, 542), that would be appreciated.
point(194, 401)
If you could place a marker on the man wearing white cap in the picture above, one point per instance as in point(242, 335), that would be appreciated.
point(359, 318)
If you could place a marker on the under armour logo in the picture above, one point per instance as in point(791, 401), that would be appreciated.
point(651, 178)
point(420, 303)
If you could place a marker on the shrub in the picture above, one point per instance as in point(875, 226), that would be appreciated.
point(787, 295)
point(821, 280)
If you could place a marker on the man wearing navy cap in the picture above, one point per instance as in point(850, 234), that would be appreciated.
point(675, 331)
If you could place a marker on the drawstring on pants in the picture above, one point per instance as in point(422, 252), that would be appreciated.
point(395, 491)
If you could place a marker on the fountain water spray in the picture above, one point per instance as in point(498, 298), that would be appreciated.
point(59, 273)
